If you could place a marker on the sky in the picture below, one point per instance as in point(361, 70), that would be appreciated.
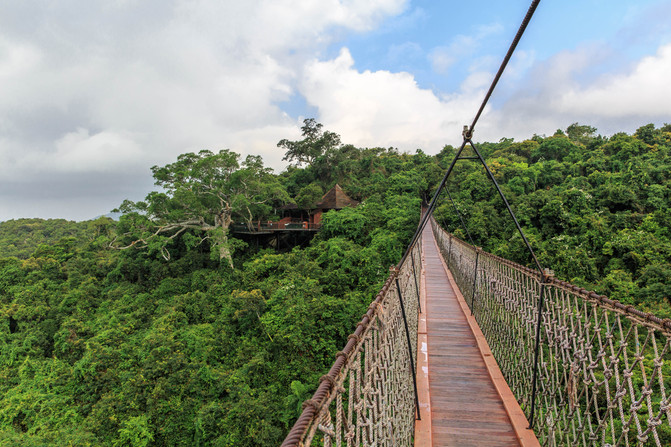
point(92, 94)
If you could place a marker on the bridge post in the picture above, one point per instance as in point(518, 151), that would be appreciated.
point(407, 335)
point(545, 277)
point(414, 275)
point(475, 278)
point(449, 249)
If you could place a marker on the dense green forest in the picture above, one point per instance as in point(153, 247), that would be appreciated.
point(596, 210)
point(163, 329)
point(21, 237)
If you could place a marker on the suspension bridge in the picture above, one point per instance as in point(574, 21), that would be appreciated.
point(474, 330)
point(464, 348)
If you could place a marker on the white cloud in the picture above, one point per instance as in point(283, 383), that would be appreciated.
point(129, 84)
point(384, 108)
point(643, 91)
point(16, 60)
point(519, 64)
point(565, 89)
point(81, 152)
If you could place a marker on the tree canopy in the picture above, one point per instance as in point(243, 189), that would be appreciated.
point(202, 192)
point(315, 143)
point(103, 347)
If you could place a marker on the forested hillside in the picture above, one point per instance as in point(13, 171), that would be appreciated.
point(162, 329)
point(596, 210)
point(20, 237)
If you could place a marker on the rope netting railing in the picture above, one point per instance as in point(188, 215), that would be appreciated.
point(367, 397)
point(604, 371)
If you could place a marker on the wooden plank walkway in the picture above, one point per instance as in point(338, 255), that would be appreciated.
point(466, 409)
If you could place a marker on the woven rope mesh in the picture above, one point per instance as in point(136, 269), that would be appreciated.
point(604, 373)
point(372, 402)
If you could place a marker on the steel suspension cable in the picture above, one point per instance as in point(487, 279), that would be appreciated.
point(461, 218)
point(505, 202)
point(468, 131)
point(506, 59)
point(432, 205)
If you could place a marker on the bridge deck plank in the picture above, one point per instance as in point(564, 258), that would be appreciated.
point(466, 409)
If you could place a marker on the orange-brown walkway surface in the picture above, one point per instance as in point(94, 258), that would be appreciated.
point(466, 407)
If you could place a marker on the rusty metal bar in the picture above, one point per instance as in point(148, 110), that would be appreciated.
point(412, 359)
point(414, 275)
point(475, 278)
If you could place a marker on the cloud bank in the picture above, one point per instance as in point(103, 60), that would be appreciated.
point(92, 94)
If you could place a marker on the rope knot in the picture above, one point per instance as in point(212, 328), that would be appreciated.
point(654, 421)
point(642, 438)
point(378, 307)
point(635, 407)
point(354, 337)
point(311, 403)
point(329, 379)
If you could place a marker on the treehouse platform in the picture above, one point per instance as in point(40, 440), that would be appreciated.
point(281, 236)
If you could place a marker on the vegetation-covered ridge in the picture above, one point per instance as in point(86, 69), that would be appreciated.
point(21, 237)
point(164, 330)
point(596, 210)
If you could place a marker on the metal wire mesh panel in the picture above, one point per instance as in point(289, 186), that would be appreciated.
point(604, 368)
point(367, 398)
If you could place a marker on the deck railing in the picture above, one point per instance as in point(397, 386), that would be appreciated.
point(273, 226)
point(604, 367)
point(367, 397)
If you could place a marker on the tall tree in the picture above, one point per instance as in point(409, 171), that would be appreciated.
point(202, 192)
point(314, 144)
point(582, 134)
point(309, 196)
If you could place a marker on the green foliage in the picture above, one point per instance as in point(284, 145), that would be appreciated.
point(134, 432)
point(593, 208)
point(308, 196)
point(315, 143)
point(123, 347)
point(21, 237)
point(202, 195)
point(580, 134)
point(103, 347)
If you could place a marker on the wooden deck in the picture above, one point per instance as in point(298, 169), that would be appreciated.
point(466, 407)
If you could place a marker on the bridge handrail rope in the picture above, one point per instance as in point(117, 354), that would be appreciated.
point(662, 324)
point(604, 367)
point(367, 393)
